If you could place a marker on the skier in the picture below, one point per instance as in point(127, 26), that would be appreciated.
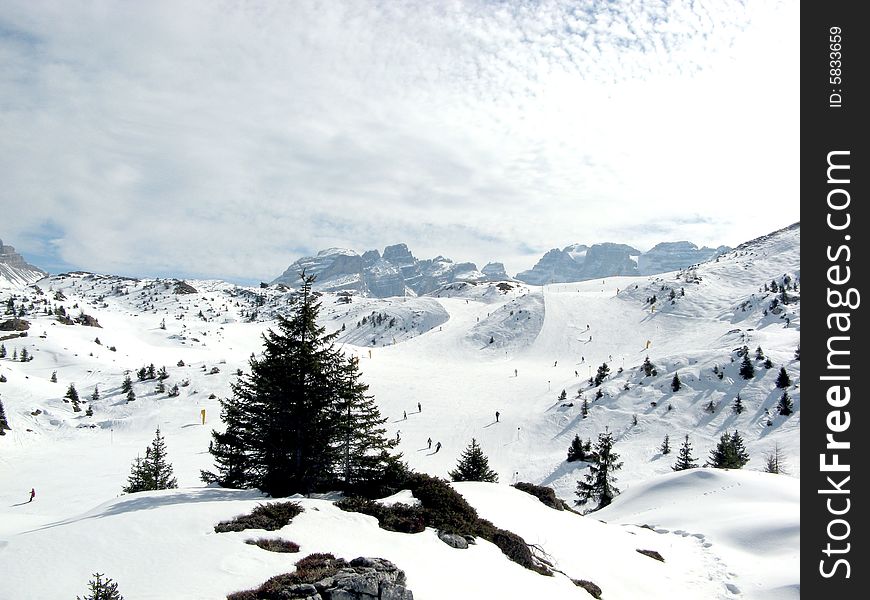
point(575, 373)
point(405, 415)
point(399, 435)
point(590, 338)
point(582, 359)
point(437, 447)
point(555, 362)
point(497, 415)
point(515, 373)
point(419, 407)
point(32, 494)
point(429, 442)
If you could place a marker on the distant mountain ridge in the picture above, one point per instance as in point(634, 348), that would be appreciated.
point(15, 271)
point(397, 272)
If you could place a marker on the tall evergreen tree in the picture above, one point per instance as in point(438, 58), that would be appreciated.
point(24, 356)
point(685, 460)
point(96, 394)
point(785, 406)
point(102, 589)
point(599, 484)
point(287, 420)
point(747, 371)
point(127, 384)
point(153, 473)
point(666, 445)
point(363, 448)
point(473, 465)
point(783, 380)
point(4, 424)
point(676, 384)
point(774, 461)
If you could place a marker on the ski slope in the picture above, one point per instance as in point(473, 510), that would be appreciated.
point(438, 354)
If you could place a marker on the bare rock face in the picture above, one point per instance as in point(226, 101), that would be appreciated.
point(15, 271)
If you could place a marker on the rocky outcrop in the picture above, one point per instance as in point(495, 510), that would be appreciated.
point(581, 263)
point(395, 272)
point(15, 271)
point(453, 540)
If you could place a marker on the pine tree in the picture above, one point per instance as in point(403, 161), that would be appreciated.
point(603, 371)
point(89, 412)
point(584, 408)
point(768, 364)
point(287, 417)
point(99, 589)
point(648, 367)
point(25, 356)
point(729, 453)
point(473, 465)
point(710, 407)
point(738, 406)
point(576, 451)
point(361, 443)
point(153, 473)
point(151, 372)
point(161, 387)
point(797, 353)
point(599, 484)
point(15, 354)
point(665, 448)
point(747, 371)
point(131, 395)
point(127, 385)
point(785, 406)
point(774, 461)
point(173, 391)
point(685, 460)
point(759, 353)
point(4, 424)
point(675, 383)
point(563, 396)
point(783, 380)
point(73, 397)
point(53, 377)
point(96, 394)
point(2, 351)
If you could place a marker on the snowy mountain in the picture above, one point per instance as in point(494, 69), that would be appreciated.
point(581, 263)
point(15, 271)
point(464, 350)
point(395, 273)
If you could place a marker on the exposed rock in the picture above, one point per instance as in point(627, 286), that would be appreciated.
point(15, 325)
point(590, 587)
point(672, 256)
point(87, 321)
point(15, 271)
point(182, 287)
point(652, 554)
point(495, 271)
point(453, 540)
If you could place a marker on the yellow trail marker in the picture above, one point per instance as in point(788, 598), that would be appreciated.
point(202, 413)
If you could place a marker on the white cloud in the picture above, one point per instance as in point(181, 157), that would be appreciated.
point(224, 139)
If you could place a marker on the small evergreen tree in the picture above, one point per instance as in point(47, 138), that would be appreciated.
point(783, 380)
point(602, 373)
point(759, 353)
point(99, 589)
point(685, 460)
point(665, 448)
point(797, 353)
point(577, 450)
point(785, 406)
point(53, 378)
point(738, 406)
point(584, 408)
point(127, 385)
point(153, 473)
point(563, 396)
point(96, 394)
point(25, 356)
point(131, 395)
point(648, 367)
point(710, 407)
point(473, 465)
point(729, 453)
point(4, 424)
point(161, 387)
point(675, 383)
point(15, 354)
point(599, 484)
point(73, 396)
point(747, 371)
point(151, 372)
point(173, 391)
point(2, 351)
point(89, 412)
point(768, 364)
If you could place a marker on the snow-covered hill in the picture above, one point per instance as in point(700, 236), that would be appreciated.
point(15, 272)
point(465, 351)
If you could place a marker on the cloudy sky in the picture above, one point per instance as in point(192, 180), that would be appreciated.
point(226, 139)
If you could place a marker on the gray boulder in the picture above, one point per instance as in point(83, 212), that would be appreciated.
point(453, 540)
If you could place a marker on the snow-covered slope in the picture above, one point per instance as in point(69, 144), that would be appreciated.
point(15, 272)
point(435, 350)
